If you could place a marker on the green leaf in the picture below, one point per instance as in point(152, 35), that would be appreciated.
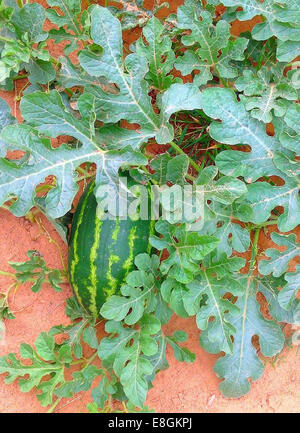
point(43, 375)
point(186, 249)
point(5, 313)
point(13, 55)
point(132, 13)
point(290, 137)
point(238, 127)
point(132, 102)
point(173, 292)
point(30, 19)
point(137, 293)
point(224, 190)
point(160, 165)
point(40, 71)
point(67, 21)
point(127, 349)
point(182, 354)
point(38, 107)
point(159, 54)
point(244, 363)
point(288, 294)
point(101, 393)
point(158, 360)
point(211, 39)
point(266, 92)
point(5, 119)
point(219, 211)
point(73, 309)
point(70, 75)
point(287, 164)
point(36, 272)
point(220, 223)
point(270, 288)
point(281, 18)
point(287, 50)
point(75, 331)
point(82, 381)
point(177, 169)
point(89, 336)
point(6, 11)
point(261, 52)
point(278, 261)
point(60, 162)
point(210, 285)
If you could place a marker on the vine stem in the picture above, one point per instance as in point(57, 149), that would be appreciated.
point(254, 248)
point(181, 152)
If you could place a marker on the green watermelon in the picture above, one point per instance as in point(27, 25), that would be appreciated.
point(102, 253)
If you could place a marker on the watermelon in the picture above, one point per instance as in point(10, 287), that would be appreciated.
point(102, 252)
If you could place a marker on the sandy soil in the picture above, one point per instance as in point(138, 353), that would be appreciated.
point(181, 388)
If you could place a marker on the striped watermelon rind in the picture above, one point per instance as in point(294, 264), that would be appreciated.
point(102, 252)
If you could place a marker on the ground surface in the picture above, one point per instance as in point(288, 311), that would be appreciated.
point(181, 388)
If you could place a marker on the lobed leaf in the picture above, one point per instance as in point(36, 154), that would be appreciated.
point(211, 39)
point(159, 54)
point(132, 102)
point(238, 127)
point(39, 369)
point(127, 349)
point(279, 260)
point(61, 162)
point(244, 363)
point(288, 295)
point(186, 249)
point(266, 93)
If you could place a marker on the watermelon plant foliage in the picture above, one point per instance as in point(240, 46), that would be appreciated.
point(223, 111)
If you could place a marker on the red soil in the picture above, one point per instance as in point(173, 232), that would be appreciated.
point(181, 388)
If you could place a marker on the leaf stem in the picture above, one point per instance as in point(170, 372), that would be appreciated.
point(4, 39)
point(54, 61)
point(124, 407)
point(144, 169)
point(180, 151)
point(192, 178)
point(8, 274)
point(51, 410)
point(254, 248)
point(91, 358)
point(20, 77)
point(85, 361)
point(268, 223)
point(262, 225)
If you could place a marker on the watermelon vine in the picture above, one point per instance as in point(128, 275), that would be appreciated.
point(187, 104)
